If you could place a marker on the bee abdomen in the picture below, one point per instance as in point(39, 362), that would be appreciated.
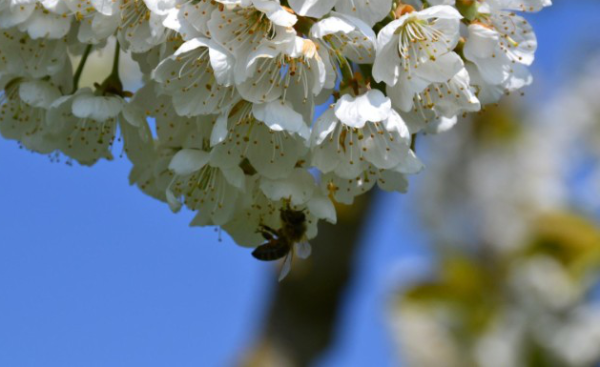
point(271, 251)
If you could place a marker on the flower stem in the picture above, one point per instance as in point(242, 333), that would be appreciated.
point(80, 67)
point(115, 68)
point(112, 85)
point(348, 78)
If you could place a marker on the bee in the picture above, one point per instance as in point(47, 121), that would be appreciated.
point(284, 242)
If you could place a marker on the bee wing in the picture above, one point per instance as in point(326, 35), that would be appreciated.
point(303, 250)
point(287, 266)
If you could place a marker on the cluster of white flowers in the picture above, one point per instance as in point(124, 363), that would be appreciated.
point(224, 121)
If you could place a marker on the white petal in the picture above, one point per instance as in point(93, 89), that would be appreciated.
point(219, 132)
point(222, 63)
point(280, 116)
point(303, 250)
point(355, 39)
point(97, 108)
point(369, 11)
point(38, 93)
point(298, 187)
point(442, 69)
point(387, 66)
point(235, 176)
point(276, 13)
point(188, 161)
point(440, 12)
point(174, 204)
point(321, 207)
point(372, 106)
point(313, 8)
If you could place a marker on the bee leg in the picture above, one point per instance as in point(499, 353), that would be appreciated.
point(266, 235)
point(267, 229)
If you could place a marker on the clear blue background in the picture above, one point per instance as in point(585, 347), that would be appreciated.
point(93, 273)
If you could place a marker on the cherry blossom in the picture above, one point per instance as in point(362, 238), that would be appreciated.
point(253, 111)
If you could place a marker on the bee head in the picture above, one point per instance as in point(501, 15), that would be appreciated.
point(292, 216)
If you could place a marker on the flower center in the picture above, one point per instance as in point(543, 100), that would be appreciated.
point(419, 42)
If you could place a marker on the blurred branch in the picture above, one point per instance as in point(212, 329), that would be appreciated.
point(303, 315)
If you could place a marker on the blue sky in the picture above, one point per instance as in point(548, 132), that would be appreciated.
point(94, 273)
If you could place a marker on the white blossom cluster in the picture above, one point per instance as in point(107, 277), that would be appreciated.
point(225, 122)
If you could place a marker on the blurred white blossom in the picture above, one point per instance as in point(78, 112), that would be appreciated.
point(517, 238)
